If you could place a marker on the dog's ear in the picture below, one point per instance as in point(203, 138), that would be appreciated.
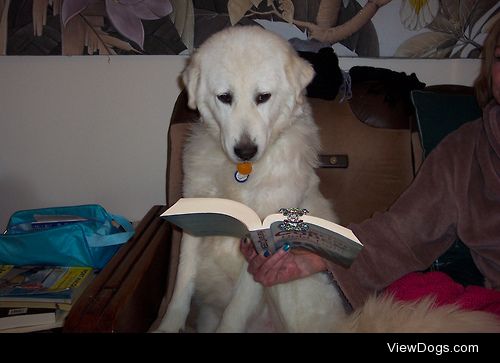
point(300, 73)
point(190, 78)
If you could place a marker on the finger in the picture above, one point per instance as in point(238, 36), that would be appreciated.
point(279, 272)
point(255, 263)
point(247, 249)
point(263, 268)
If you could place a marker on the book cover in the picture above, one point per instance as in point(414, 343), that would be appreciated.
point(55, 321)
point(26, 316)
point(47, 286)
point(36, 304)
point(224, 217)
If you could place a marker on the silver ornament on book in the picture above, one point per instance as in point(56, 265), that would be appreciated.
point(292, 221)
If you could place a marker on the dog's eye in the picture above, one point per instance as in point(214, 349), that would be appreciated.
point(262, 98)
point(226, 98)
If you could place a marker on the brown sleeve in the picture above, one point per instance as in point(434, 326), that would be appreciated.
point(417, 228)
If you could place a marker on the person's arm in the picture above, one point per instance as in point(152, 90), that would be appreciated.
point(420, 226)
point(417, 228)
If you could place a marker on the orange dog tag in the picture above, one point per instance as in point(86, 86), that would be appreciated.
point(242, 172)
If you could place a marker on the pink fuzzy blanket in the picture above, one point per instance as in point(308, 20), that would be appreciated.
point(416, 285)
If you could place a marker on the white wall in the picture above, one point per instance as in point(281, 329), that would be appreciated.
point(85, 130)
point(77, 130)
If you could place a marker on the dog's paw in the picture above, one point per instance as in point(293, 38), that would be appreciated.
point(230, 327)
point(168, 329)
point(171, 323)
point(165, 330)
point(226, 329)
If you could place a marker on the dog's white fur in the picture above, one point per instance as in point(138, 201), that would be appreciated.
point(246, 62)
point(385, 314)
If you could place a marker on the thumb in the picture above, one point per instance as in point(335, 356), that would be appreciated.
point(247, 248)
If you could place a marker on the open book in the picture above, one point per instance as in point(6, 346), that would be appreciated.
point(224, 217)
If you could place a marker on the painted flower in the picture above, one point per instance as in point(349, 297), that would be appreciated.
point(125, 15)
point(417, 14)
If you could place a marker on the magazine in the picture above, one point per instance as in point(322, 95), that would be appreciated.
point(42, 286)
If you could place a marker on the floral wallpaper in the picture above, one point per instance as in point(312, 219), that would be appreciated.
point(368, 28)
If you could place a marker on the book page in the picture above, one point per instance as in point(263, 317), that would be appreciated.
point(204, 207)
point(209, 224)
point(332, 226)
point(321, 241)
point(325, 238)
point(337, 228)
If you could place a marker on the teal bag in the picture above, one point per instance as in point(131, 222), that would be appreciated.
point(91, 241)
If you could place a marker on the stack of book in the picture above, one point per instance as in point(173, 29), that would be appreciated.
point(34, 298)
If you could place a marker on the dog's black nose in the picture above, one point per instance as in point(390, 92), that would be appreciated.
point(245, 151)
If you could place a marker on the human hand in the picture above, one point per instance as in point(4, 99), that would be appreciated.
point(283, 266)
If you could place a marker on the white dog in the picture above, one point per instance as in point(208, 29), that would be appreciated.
point(248, 84)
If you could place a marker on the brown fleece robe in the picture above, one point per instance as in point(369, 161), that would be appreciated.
point(456, 193)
